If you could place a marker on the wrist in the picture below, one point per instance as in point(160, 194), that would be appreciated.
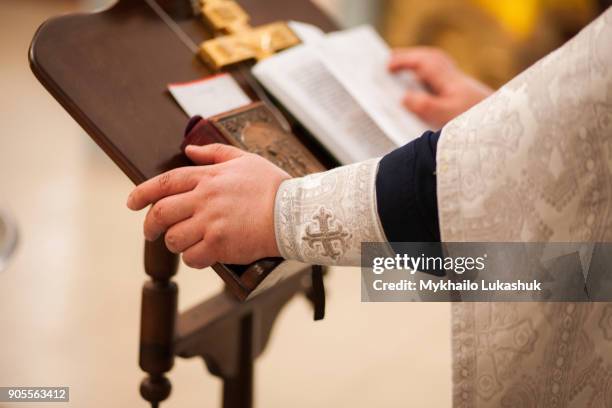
point(272, 248)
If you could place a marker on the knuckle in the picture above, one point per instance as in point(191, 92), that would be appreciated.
point(209, 190)
point(209, 174)
point(214, 188)
point(164, 180)
point(158, 213)
point(212, 238)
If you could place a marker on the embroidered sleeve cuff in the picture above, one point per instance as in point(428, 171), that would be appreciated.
point(323, 218)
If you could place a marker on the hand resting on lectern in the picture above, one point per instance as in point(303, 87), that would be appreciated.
point(217, 211)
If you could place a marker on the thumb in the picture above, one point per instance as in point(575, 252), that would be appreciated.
point(212, 153)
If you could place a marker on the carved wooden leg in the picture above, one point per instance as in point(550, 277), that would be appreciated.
point(157, 321)
point(238, 390)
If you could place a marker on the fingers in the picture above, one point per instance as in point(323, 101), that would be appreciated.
point(167, 212)
point(184, 235)
point(213, 153)
point(416, 57)
point(172, 182)
point(404, 58)
point(426, 106)
point(202, 254)
point(430, 65)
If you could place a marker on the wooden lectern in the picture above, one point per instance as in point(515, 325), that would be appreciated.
point(109, 70)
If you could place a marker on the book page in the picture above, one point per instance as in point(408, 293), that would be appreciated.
point(358, 59)
point(315, 97)
point(209, 96)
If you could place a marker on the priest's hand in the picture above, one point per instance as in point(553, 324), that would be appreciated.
point(449, 92)
point(221, 210)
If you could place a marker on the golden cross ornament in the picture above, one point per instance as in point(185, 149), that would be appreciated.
point(238, 40)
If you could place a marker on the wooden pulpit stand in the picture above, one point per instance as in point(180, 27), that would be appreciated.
point(110, 70)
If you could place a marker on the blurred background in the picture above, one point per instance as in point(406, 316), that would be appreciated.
point(492, 40)
point(70, 294)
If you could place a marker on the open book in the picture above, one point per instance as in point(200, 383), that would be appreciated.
point(337, 85)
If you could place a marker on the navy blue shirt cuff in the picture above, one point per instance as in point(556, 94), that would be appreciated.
point(406, 191)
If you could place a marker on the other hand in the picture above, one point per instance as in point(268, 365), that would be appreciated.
point(219, 211)
point(450, 91)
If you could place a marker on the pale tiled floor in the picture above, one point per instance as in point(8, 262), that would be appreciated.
point(69, 301)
